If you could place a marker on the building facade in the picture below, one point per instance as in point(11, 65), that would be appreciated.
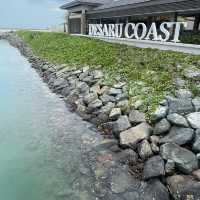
point(81, 13)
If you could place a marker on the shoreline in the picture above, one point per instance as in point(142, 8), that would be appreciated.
point(108, 108)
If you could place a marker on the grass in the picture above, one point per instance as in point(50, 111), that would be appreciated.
point(149, 73)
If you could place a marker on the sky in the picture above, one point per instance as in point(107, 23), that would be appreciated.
point(30, 13)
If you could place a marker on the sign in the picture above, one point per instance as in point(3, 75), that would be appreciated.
point(139, 31)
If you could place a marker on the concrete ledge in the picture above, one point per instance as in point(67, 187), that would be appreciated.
point(169, 46)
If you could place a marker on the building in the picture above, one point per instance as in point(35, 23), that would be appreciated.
point(80, 13)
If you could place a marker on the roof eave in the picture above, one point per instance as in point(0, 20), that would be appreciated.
point(77, 3)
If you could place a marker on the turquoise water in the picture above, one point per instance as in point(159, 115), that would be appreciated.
point(41, 142)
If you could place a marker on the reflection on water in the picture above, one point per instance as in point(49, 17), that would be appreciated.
point(41, 142)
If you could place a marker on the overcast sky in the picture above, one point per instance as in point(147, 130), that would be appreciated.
point(30, 13)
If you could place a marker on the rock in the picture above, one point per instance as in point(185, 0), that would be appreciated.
point(183, 93)
point(177, 120)
point(196, 103)
point(120, 182)
point(58, 82)
point(90, 81)
point(184, 159)
point(196, 174)
point(194, 120)
point(97, 74)
point(198, 157)
point(76, 72)
point(180, 106)
point(155, 190)
point(179, 83)
point(179, 136)
point(114, 91)
point(160, 113)
point(136, 117)
point(95, 105)
point(107, 108)
point(127, 156)
point(154, 139)
point(101, 118)
point(65, 91)
point(119, 85)
point(155, 148)
point(88, 98)
point(121, 124)
point(196, 144)
point(192, 74)
point(83, 87)
point(95, 89)
point(135, 134)
point(124, 105)
point(183, 187)
point(107, 98)
point(162, 127)
point(115, 113)
point(121, 97)
point(103, 90)
point(85, 69)
point(169, 167)
point(144, 150)
point(138, 104)
point(164, 102)
point(154, 167)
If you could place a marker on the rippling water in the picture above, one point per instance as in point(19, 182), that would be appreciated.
point(41, 142)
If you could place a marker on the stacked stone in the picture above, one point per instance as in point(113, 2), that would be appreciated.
point(158, 155)
point(177, 130)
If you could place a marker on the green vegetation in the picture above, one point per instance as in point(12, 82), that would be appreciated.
point(149, 73)
point(190, 37)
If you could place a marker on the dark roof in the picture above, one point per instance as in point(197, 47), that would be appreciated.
point(115, 8)
point(84, 2)
point(116, 3)
point(144, 7)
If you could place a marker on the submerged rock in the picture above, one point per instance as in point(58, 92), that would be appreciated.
point(155, 190)
point(127, 156)
point(183, 187)
point(154, 167)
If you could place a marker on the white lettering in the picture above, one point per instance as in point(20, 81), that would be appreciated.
point(127, 29)
point(144, 31)
point(177, 30)
point(138, 31)
point(118, 30)
point(111, 30)
point(153, 32)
